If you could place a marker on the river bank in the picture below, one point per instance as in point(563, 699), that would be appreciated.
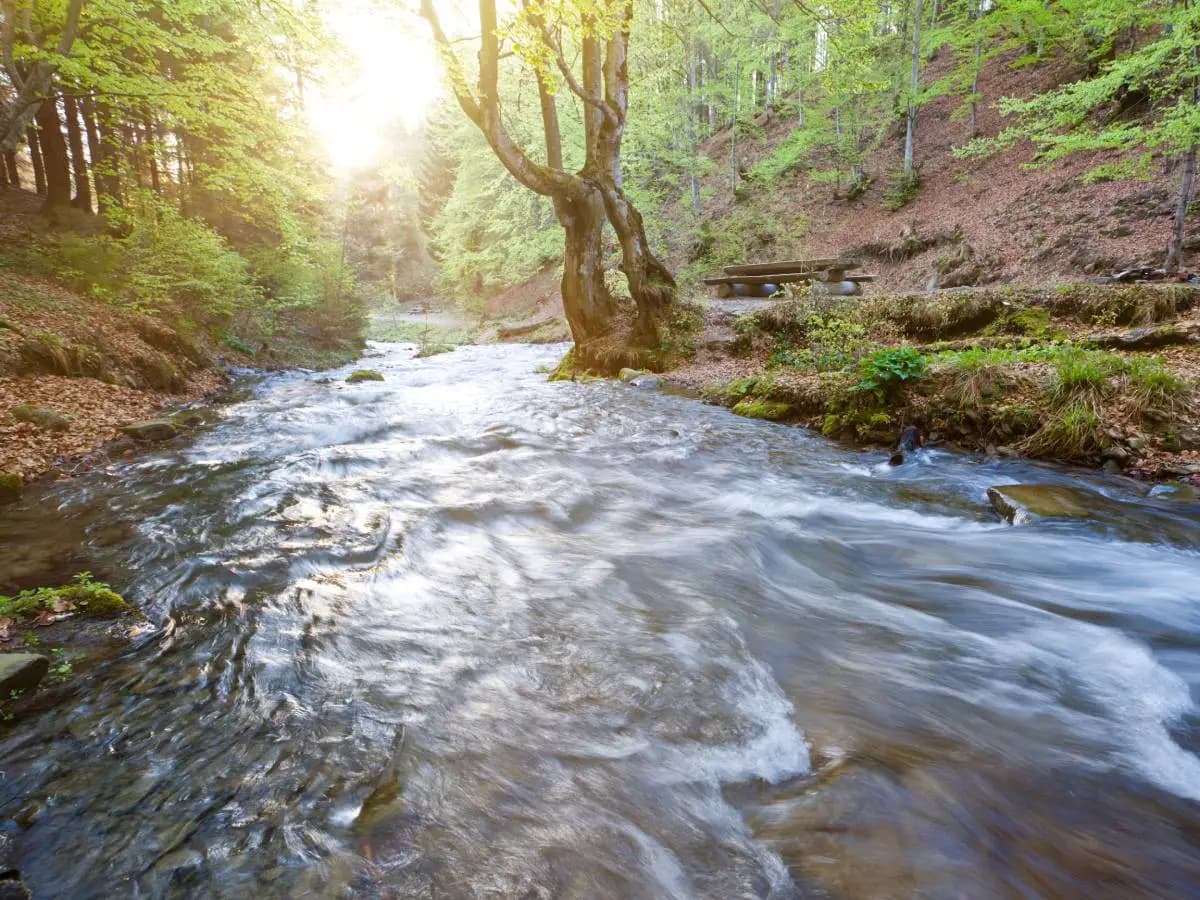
point(1098, 375)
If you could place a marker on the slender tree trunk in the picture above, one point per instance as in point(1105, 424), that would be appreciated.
point(694, 113)
point(35, 159)
point(10, 163)
point(54, 156)
point(150, 148)
point(914, 83)
point(4, 172)
point(103, 159)
point(79, 162)
point(1184, 201)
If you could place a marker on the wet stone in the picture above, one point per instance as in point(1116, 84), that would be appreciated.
point(21, 671)
point(151, 430)
point(1021, 503)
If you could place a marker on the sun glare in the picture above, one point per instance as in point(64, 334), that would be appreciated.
point(389, 74)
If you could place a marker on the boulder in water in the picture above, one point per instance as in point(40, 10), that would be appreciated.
point(151, 430)
point(630, 375)
point(364, 375)
point(647, 382)
point(21, 672)
point(1021, 503)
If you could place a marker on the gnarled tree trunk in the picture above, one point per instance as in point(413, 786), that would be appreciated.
point(587, 200)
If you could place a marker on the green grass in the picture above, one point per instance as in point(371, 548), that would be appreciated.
point(1150, 385)
point(1085, 371)
point(416, 333)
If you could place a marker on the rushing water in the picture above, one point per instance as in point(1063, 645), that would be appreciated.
point(466, 633)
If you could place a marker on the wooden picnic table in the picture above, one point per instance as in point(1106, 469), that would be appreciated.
point(756, 276)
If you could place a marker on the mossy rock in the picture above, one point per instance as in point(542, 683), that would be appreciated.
point(10, 487)
point(431, 350)
point(364, 375)
point(754, 408)
point(45, 419)
point(1021, 503)
point(628, 375)
point(151, 430)
point(86, 599)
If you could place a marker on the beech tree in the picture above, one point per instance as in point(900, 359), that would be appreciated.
point(30, 54)
point(541, 35)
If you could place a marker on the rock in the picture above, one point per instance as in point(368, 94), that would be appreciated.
point(1137, 443)
point(1112, 466)
point(629, 375)
point(151, 430)
point(647, 382)
point(46, 419)
point(1189, 439)
point(752, 408)
point(21, 671)
point(1116, 453)
point(1021, 503)
point(10, 487)
point(364, 375)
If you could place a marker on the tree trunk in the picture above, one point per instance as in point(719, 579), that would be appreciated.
point(54, 156)
point(914, 83)
point(1175, 245)
point(35, 159)
point(588, 305)
point(10, 163)
point(79, 162)
point(103, 160)
point(4, 170)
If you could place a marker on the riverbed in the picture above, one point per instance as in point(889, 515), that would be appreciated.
point(468, 633)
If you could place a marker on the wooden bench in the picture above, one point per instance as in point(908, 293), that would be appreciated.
point(754, 279)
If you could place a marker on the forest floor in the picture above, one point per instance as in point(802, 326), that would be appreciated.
point(75, 371)
point(1090, 374)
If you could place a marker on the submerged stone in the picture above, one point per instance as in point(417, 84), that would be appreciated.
point(647, 382)
point(21, 672)
point(1021, 503)
point(151, 430)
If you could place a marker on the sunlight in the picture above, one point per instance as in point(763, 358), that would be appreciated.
point(391, 75)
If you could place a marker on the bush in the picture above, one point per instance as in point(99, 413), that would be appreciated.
point(162, 259)
point(884, 371)
point(901, 190)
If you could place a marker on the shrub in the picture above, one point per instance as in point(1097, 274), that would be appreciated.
point(883, 371)
point(901, 190)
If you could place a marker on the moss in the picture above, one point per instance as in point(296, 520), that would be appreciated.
point(432, 350)
point(10, 487)
point(364, 375)
point(83, 597)
point(565, 370)
point(755, 408)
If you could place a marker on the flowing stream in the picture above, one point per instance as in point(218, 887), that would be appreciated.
point(467, 633)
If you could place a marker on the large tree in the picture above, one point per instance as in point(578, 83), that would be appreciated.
point(541, 35)
point(33, 43)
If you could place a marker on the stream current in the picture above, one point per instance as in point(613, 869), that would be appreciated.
point(467, 633)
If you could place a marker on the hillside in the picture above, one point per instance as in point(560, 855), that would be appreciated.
point(76, 371)
point(998, 219)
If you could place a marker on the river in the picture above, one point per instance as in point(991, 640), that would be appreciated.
point(467, 633)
